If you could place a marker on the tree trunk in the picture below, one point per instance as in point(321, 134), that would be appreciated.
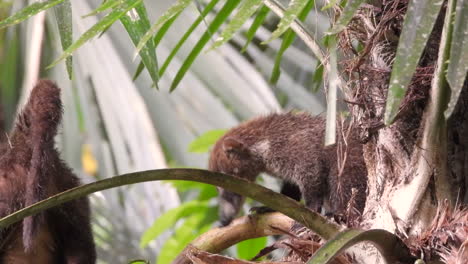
point(419, 161)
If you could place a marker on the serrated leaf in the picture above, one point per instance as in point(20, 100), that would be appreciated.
point(294, 8)
point(288, 39)
point(136, 23)
point(246, 10)
point(172, 11)
point(206, 140)
point(258, 21)
point(189, 31)
point(27, 12)
point(222, 15)
point(458, 62)
point(97, 28)
point(103, 7)
point(346, 15)
point(169, 219)
point(248, 249)
point(418, 24)
point(63, 15)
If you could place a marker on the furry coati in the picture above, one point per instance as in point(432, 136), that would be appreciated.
point(291, 147)
point(31, 170)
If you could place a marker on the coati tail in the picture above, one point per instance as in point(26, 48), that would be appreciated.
point(43, 113)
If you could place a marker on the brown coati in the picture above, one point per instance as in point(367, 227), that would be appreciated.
point(31, 170)
point(290, 147)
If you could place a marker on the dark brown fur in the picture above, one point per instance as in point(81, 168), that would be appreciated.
point(31, 170)
point(291, 147)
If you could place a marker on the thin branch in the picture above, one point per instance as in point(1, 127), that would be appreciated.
point(274, 200)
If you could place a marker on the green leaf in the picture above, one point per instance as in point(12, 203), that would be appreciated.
point(27, 12)
point(246, 10)
point(220, 18)
point(330, 129)
point(389, 245)
point(136, 23)
point(63, 15)
point(205, 141)
point(294, 8)
point(138, 71)
point(174, 10)
point(103, 7)
point(196, 224)
point(258, 21)
point(97, 28)
point(248, 249)
point(9, 81)
point(346, 15)
point(206, 191)
point(317, 78)
point(169, 219)
point(419, 21)
point(288, 39)
point(182, 40)
point(164, 28)
point(458, 62)
point(183, 186)
point(330, 4)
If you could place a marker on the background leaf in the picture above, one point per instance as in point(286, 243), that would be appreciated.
point(174, 10)
point(205, 141)
point(458, 62)
point(250, 248)
point(136, 23)
point(28, 11)
point(189, 31)
point(221, 16)
point(63, 14)
point(261, 15)
point(294, 8)
point(346, 15)
point(170, 218)
point(288, 39)
point(419, 21)
point(99, 27)
point(196, 224)
point(246, 10)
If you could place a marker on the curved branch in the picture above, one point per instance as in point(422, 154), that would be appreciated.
point(389, 245)
point(243, 228)
point(276, 201)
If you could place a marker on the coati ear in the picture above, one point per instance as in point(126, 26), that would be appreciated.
point(234, 146)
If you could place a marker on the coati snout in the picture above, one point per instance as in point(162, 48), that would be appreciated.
point(290, 147)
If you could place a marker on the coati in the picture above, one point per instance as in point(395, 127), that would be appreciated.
point(290, 146)
point(31, 170)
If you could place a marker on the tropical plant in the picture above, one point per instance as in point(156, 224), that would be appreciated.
point(400, 63)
